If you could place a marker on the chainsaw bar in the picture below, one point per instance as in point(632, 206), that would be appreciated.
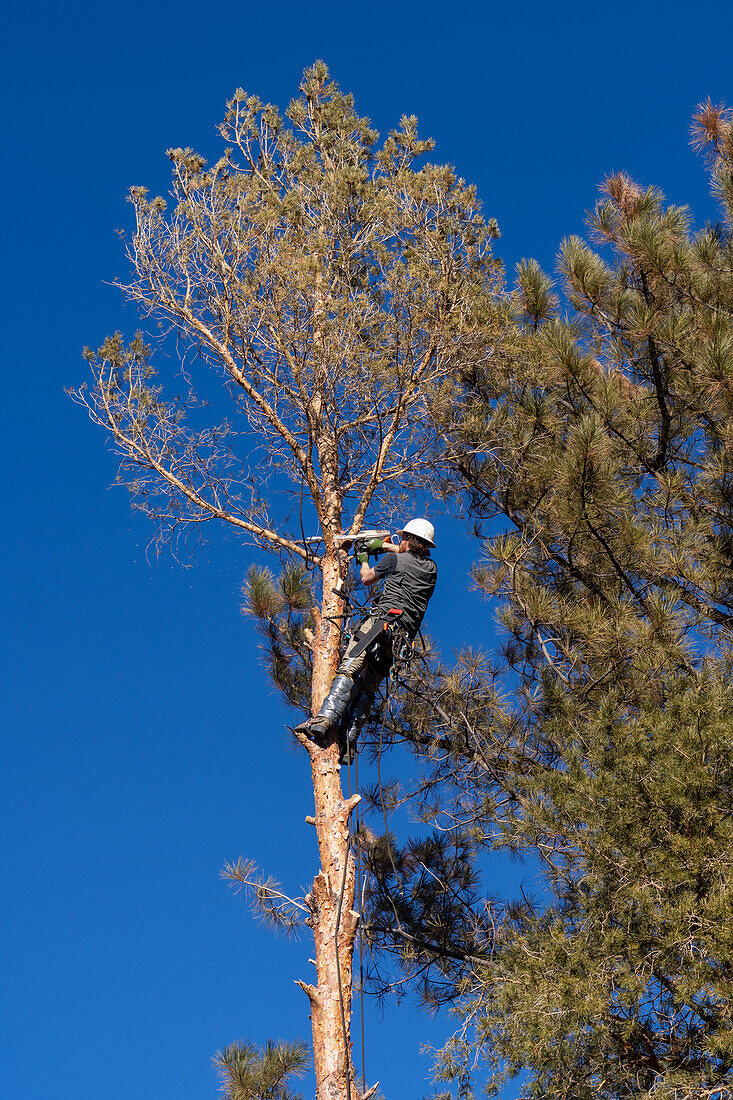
point(345, 541)
point(362, 536)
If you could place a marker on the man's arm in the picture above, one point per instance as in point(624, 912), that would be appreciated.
point(369, 575)
point(391, 547)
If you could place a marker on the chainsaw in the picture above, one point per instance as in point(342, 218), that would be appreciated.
point(346, 542)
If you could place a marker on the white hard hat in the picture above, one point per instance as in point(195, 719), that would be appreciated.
point(420, 527)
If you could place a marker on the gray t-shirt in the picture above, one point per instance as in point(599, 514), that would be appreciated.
point(409, 582)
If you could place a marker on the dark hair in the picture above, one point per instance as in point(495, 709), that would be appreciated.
point(417, 546)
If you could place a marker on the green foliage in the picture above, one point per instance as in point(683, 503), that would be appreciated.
point(282, 913)
point(595, 454)
point(536, 299)
point(624, 978)
point(248, 1073)
point(283, 610)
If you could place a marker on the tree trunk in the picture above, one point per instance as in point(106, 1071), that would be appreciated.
point(334, 932)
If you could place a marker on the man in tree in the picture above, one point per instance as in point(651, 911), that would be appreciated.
point(333, 286)
point(409, 576)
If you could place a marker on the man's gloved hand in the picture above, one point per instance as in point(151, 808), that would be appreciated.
point(371, 548)
point(375, 545)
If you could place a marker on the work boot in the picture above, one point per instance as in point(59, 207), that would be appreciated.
point(313, 731)
point(333, 709)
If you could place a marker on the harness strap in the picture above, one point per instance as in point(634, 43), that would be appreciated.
point(380, 625)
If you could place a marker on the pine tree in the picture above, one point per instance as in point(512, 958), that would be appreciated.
point(329, 287)
point(249, 1074)
point(595, 452)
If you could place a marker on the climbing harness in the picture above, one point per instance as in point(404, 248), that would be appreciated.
point(384, 624)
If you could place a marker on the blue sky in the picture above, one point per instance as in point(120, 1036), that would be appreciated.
point(143, 747)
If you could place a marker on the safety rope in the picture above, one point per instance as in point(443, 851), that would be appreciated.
point(402, 659)
point(359, 901)
point(360, 895)
point(302, 532)
point(351, 602)
point(347, 1060)
point(381, 802)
